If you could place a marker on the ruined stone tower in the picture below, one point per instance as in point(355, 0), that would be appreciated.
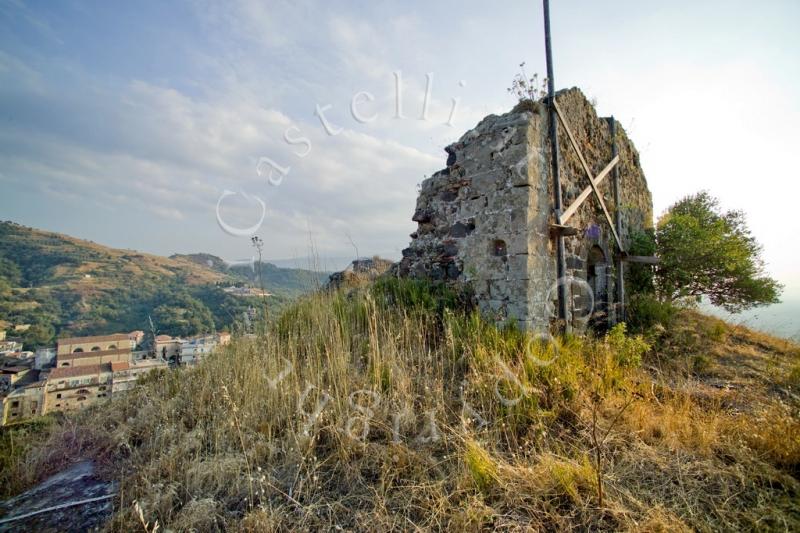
point(485, 220)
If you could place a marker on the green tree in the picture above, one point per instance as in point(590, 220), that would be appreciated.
point(38, 335)
point(183, 316)
point(705, 252)
point(640, 278)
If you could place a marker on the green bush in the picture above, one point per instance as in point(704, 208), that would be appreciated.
point(645, 311)
point(628, 349)
point(419, 294)
point(640, 277)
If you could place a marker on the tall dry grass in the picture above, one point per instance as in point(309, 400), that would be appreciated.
point(394, 407)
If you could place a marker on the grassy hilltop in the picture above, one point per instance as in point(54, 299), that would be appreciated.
point(393, 407)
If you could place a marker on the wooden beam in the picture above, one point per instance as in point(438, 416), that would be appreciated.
point(646, 259)
point(586, 192)
point(561, 229)
point(588, 173)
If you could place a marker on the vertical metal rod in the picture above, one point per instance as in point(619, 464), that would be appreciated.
point(561, 267)
point(617, 222)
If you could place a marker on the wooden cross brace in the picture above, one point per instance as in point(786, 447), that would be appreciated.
point(593, 181)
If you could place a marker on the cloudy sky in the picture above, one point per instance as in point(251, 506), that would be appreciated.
point(144, 124)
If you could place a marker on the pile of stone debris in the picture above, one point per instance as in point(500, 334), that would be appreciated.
point(359, 273)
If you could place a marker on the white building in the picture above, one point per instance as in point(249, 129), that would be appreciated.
point(125, 374)
point(194, 350)
point(44, 357)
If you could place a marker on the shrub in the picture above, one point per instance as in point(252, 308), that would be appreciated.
point(646, 311)
point(628, 349)
point(640, 277)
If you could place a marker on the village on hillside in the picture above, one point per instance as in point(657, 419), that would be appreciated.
point(82, 371)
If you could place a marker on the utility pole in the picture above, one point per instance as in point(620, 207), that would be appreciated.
point(561, 267)
point(258, 244)
point(618, 222)
point(153, 333)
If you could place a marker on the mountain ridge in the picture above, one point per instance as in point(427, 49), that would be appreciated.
point(63, 284)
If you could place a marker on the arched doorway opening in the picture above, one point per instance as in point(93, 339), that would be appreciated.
point(597, 278)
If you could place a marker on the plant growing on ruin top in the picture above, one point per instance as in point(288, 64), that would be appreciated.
point(527, 88)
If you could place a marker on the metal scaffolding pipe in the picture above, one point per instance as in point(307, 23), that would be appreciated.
point(618, 223)
point(561, 267)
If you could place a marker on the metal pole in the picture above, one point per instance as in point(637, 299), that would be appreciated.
point(561, 267)
point(617, 222)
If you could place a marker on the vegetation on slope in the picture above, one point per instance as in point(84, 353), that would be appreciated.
point(390, 408)
point(289, 282)
point(63, 285)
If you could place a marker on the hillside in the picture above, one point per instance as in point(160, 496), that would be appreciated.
point(395, 407)
point(284, 281)
point(62, 284)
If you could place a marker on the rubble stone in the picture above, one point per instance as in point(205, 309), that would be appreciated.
point(484, 220)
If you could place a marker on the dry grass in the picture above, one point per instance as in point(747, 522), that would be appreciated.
point(379, 410)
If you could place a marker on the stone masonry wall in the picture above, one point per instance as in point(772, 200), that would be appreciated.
point(484, 220)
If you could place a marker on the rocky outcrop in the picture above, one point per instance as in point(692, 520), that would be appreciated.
point(484, 220)
point(75, 499)
point(359, 273)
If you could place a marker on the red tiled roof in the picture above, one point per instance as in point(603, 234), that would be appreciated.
point(97, 338)
point(116, 366)
point(75, 371)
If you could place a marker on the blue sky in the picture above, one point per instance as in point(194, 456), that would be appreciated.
point(124, 122)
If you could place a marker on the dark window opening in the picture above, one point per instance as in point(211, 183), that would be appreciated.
point(596, 277)
point(499, 248)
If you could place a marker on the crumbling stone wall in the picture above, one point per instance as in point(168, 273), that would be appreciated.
point(484, 220)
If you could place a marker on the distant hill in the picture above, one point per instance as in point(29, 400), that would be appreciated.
point(64, 285)
point(285, 281)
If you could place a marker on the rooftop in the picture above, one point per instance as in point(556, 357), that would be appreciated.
point(75, 371)
point(117, 366)
point(97, 338)
point(97, 353)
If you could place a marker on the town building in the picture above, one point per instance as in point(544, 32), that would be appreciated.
point(96, 343)
point(12, 377)
point(9, 346)
point(70, 388)
point(196, 349)
point(84, 371)
point(24, 402)
point(136, 338)
point(90, 351)
point(44, 358)
point(125, 374)
point(167, 347)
